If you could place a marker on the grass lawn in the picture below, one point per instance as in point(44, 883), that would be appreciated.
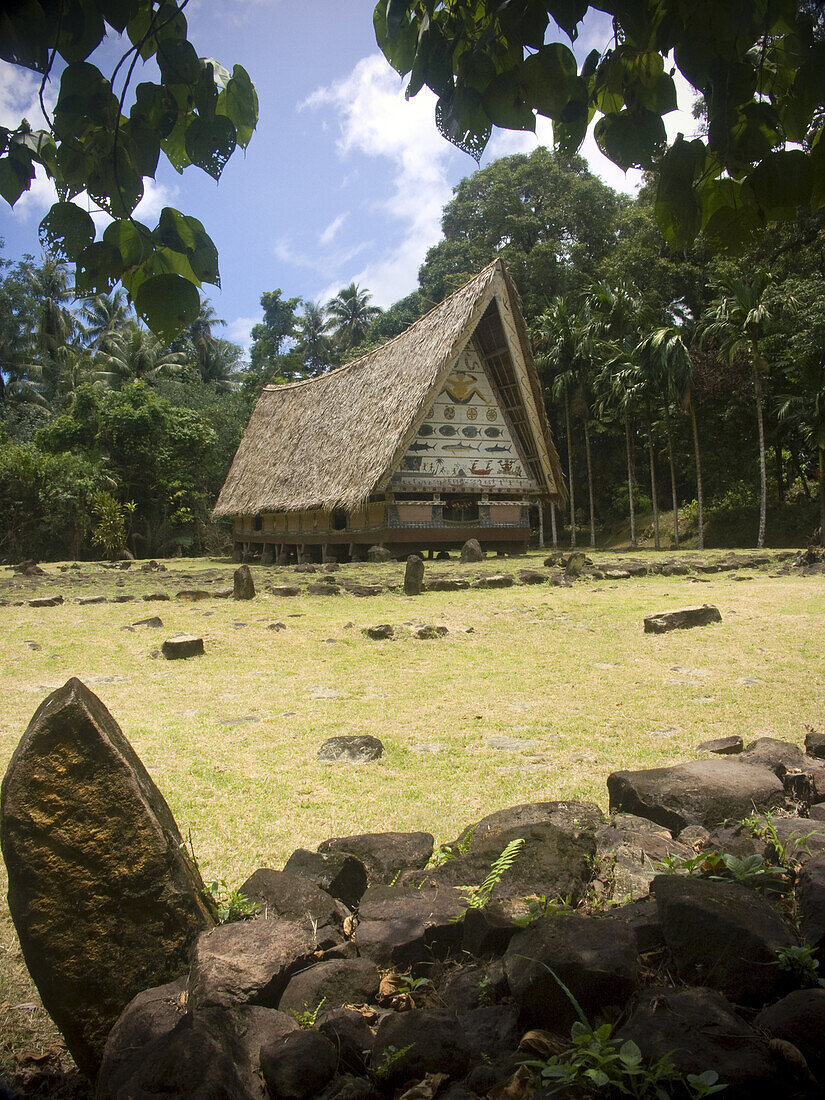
point(536, 693)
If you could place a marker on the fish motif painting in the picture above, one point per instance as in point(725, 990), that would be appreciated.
point(492, 433)
point(470, 432)
point(447, 429)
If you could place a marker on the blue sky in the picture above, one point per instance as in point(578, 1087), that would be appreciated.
point(343, 179)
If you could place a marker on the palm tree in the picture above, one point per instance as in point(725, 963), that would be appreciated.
point(314, 346)
point(350, 315)
point(563, 340)
point(208, 353)
point(135, 352)
point(737, 320)
point(54, 325)
point(103, 316)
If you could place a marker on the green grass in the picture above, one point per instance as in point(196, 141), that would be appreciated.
point(566, 670)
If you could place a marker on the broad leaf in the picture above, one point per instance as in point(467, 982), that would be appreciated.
point(167, 303)
point(678, 212)
point(210, 143)
point(81, 30)
point(131, 239)
point(631, 139)
point(550, 79)
point(239, 102)
point(66, 230)
point(181, 233)
point(400, 46)
point(782, 183)
point(504, 103)
point(568, 14)
point(16, 174)
point(99, 266)
point(461, 119)
point(178, 62)
point(24, 35)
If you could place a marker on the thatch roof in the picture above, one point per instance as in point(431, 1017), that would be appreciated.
point(332, 441)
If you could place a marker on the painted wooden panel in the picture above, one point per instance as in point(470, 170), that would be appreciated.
point(280, 521)
point(505, 513)
point(464, 443)
point(415, 513)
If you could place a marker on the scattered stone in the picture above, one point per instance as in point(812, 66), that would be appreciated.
point(414, 576)
point(34, 646)
point(285, 590)
point(815, 744)
point(531, 576)
point(296, 897)
point(306, 567)
point(494, 580)
point(502, 743)
point(152, 622)
point(156, 596)
point(223, 593)
point(471, 551)
point(404, 926)
point(182, 646)
point(152, 567)
point(683, 619)
point(121, 597)
point(86, 601)
point(722, 746)
point(810, 898)
point(575, 564)
point(446, 584)
point(779, 756)
point(331, 566)
point(340, 874)
point(442, 555)
point(323, 589)
point(46, 601)
point(351, 749)
point(428, 631)
point(421, 1041)
point(104, 897)
point(193, 595)
point(243, 587)
point(703, 792)
point(379, 633)
point(355, 588)
point(276, 626)
point(616, 574)
point(379, 554)
point(799, 1018)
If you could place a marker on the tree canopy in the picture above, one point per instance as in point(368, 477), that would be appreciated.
point(759, 66)
point(195, 113)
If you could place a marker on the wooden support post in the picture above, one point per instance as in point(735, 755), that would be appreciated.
point(554, 532)
point(541, 525)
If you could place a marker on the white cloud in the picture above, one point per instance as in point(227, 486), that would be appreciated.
point(331, 230)
point(238, 331)
point(375, 120)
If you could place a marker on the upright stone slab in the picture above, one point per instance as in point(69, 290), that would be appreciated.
point(471, 551)
point(414, 576)
point(104, 897)
point(243, 585)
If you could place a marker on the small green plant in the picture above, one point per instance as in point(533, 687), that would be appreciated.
point(542, 906)
point(686, 865)
point(408, 984)
point(232, 905)
point(764, 827)
point(309, 1016)
point(391, 1056)
point(484, 990)
point(800, 963)
point(596, 1065)
point(447, 851)
point(721, 866)
point(477, 897)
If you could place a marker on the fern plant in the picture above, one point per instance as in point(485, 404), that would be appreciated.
point(477, 897)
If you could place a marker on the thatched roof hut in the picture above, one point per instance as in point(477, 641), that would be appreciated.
point(370, 430)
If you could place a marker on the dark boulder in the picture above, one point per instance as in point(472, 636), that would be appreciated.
point(299, 1065)
point(104, 897)
point(332, 983)
point(404, 926)
point(699, 1029)
point(703, 792)
point(182, 646)
point(380, 632)
point(243, 587)
point(341, 875)
point(377, 554)
point(471, 551)
point(414, 576)
point(722, 935)
point(810, 903)
point(249, 962)
point(779, 756)
point(432, 1041)
point(284, 896)
point(385, 854)
point(799, 1018)
point(722, 746)
point(595, 957)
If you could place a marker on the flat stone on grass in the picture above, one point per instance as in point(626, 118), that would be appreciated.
point(181, 647)
point(351, 749)
point(683, 619)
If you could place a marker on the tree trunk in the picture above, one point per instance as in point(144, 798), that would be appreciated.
point(780, 471)
point(570, 468)
point(763, 473)
point(701, 539)
point(630, 480)
point(541, 524)
point(553, 530)
point(822, 496)
point(590, 484)
point(653, 499)
point(673, 492)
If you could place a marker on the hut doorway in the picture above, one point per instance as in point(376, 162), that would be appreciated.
point(460, 508)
